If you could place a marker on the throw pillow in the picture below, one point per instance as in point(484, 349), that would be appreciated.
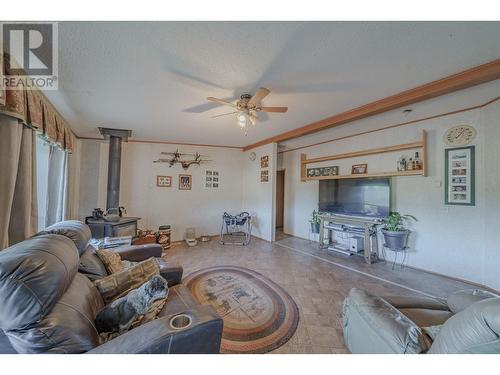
point(91, 265)
point(111, 260)
point(119, 284)
point(128, 264)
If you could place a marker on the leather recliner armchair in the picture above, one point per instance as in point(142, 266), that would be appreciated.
point(468, 321)
point(49, 302)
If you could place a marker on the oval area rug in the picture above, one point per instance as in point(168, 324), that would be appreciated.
point(259, 316)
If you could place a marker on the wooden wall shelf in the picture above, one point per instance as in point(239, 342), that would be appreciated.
point(368, 175)
point(304, 161)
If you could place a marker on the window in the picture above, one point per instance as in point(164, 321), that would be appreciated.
point(51, 164)
point(42, 176)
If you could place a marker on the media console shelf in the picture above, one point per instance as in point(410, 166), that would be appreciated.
point(356, 230)
point(422, 144)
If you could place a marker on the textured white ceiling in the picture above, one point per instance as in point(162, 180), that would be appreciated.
point(153, 77)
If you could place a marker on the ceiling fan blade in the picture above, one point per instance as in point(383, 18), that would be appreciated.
point(272, 109)
point(220, 101)
point(253, 119)
point(225, 114)
point(259, 95)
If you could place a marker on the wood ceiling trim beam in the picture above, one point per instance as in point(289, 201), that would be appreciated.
point(459, 81)
point(167, 143)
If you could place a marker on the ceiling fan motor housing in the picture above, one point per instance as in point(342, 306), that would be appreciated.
point(243, 103)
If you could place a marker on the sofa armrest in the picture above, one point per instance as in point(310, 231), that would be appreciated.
point(137, 253)
point(372, 325)
point(170, 272)
point(417, 302)
point(202, 336)
point(462, 299)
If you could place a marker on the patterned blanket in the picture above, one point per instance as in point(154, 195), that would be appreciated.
point(132, 309)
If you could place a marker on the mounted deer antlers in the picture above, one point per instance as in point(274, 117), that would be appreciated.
point(175, 158)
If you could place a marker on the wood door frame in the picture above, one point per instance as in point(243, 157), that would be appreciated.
point(282, 171)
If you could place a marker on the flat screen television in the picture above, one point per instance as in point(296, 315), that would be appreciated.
point(368, 197)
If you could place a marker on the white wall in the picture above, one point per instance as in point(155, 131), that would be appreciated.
point(450, 240)
point(490, 118)
point(200, 208)
point(259, 197)
point(240, 188)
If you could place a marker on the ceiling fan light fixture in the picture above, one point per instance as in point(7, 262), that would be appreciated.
point(242, 120)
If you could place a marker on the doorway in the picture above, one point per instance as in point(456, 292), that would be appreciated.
point(280, 200)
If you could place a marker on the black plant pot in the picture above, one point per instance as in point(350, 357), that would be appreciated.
point(396, 240)
point(315, 228)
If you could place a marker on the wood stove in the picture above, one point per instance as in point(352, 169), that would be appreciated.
point(125, 226)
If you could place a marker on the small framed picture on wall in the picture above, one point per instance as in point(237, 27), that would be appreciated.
point(359, 169)
point(264, 161)
point(185, 182)
point(212, 179)
point(460, 176)
point(264, 176)
point(163, 181)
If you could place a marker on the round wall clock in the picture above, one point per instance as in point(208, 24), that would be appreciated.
point(459, 135)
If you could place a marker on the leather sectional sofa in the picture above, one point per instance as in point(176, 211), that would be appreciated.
point(468, 321)
point(49, 302)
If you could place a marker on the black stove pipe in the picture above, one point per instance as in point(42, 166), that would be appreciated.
point(114, 168)
point(115, 136)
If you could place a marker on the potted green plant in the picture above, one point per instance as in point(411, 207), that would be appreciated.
point(394, 231)
point(315, 221)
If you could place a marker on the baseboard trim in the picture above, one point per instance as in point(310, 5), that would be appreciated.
point(473, 283)
point(357, 271)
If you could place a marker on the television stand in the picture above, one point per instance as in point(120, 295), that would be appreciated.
point(358, 232)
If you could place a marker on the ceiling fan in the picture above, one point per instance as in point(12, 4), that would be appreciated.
point(247, 107)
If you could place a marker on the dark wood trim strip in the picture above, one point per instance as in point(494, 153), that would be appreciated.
point(168, 143)
point(467, 78)
point(185, 144)
point(393, 126)
point(317, 143)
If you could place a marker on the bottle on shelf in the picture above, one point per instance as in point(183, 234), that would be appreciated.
point(400, 164)
point(410, 165)
point(418, 162)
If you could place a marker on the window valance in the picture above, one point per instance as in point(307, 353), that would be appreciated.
point(32, 108)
